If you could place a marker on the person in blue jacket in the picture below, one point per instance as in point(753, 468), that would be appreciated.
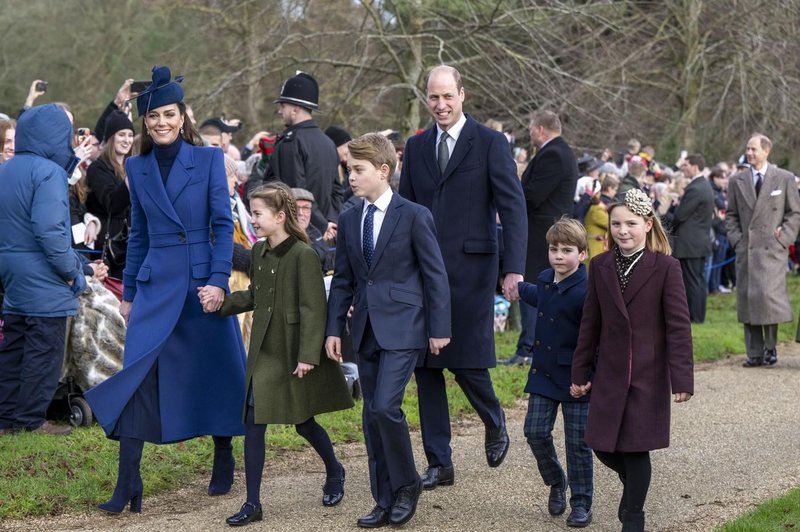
point(558, 295)
point(183, 366)
point(41, 273)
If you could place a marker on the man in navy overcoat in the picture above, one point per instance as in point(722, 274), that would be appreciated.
point(465, 174)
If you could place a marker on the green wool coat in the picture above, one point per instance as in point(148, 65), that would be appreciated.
point(287, 297)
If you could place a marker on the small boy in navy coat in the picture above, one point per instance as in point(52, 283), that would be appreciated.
point(558, 294)
point(389, 271)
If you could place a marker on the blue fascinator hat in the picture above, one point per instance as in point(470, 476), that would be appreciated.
point(160, 92)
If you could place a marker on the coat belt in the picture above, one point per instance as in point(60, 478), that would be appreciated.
point(180, 238)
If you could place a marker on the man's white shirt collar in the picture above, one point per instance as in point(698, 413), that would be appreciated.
point(382, 203)
point(454, 131)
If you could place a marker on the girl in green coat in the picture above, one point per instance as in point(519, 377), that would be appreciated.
point(288, 379)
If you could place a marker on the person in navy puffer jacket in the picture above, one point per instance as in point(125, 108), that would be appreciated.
point(41, 273)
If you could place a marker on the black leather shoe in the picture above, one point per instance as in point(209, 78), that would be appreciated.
point(516, 360)
point(497, 443)
point(753, 363)
point(333, 490)
point(405, 503)
point(557, 502)
point(438, 476)
point(246, 515)
point(579, 517)
point(770, 357)
point(377, 518)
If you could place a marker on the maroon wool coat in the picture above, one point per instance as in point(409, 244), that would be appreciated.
point(636, 349)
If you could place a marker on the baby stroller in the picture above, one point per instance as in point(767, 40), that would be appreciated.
point(94, 346)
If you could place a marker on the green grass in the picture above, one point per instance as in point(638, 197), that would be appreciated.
point(45, 475)
point(775, 515)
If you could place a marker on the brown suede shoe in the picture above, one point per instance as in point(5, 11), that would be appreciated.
point(55, 430)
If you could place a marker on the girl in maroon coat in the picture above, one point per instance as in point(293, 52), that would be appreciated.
point(631, 371)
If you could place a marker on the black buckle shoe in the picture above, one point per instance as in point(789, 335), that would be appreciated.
point(497, 443)
point(405, 503)
point(579, 517)
point(438, 476)
point(377, 518)
point(246, 515)
point(333, 490)
point(557, 501)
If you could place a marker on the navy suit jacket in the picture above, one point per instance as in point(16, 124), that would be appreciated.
point(560, 308)
point(691, 221)
point(405, 294)
point(479, 182)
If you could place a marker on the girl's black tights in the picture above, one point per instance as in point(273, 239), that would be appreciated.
point(634, 471)
point(255, 451)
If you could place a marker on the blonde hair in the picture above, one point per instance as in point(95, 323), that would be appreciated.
point(656, 239)
point(277, 196)
point(567, 231)
point(376, 149)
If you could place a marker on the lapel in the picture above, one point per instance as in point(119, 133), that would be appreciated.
point(152, 183)
point(641, 274)
point(762, 202)
point(356, 249)
point(748, 188)
point(428, 150)
point(387, 228)
point(608, 274)
point(179, 174)
point(463, 145)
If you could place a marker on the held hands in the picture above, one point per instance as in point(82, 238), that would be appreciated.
point(211, 298)
point(333, 348)
point(100, 270)
point(302, 369)
point(682, 397)
point(437, 344)
point(510, 290)
point(577, 391)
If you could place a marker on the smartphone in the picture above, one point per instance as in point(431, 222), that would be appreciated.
point(84, 131)
point(139, 86)
point(684, 154)
point(41, 86)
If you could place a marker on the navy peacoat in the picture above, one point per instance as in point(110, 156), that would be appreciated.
point(560, 307)
point(181, 238)
point(479, 182)
point(635, 348)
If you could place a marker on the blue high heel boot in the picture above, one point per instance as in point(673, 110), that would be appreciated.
point(222, 473)
point(129, 480)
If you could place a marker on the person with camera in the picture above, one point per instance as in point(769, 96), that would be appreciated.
point(108, 197)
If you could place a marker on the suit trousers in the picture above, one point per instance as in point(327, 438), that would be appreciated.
point(434, 413)
point(31, 357)
point(695, 282)
point(759, 338)
point(539, 422)
point(384, 375)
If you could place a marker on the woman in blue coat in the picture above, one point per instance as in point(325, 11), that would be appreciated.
point(183, 368)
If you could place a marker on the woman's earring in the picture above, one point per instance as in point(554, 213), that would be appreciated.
point(181, 130)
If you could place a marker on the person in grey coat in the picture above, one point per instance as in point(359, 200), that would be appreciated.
point(763, 218)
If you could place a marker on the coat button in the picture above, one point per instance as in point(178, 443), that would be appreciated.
point(270, 290)
point(533, 370)
point(272, 271)
point(258, 287)
point(541, 314)
point(537, 342)
point(269, 309)
point(547, 287)
point(370, 283)
point(549, 348)
point(255, 305)
point(552, 320)
point(182, 236)
point(259, 268)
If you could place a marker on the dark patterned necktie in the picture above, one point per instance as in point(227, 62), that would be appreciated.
point(366, 241)
point(443, 153)
point(759, 182)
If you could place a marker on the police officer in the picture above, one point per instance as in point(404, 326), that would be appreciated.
point(304, 156)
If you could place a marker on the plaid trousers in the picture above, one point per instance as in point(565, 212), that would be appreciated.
point(539, 422)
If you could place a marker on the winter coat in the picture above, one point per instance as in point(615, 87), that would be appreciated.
point(110, 201)
point(287, 297)
point(636, 349)
point(200, 356)
point(761, 297)
point(36, 256)
point(596, 223)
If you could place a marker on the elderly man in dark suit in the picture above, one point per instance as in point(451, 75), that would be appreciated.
point(691, 224)
point(763, 217)
point(549, 185)
point(465, 174)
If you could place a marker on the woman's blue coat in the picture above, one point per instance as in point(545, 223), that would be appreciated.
point(181, 238)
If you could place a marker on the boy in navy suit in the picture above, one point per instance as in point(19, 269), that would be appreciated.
point(558, 294)
point(390, 271)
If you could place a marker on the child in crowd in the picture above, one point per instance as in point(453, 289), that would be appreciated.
point(559, 294)
point(629, 369)
point(390, 271)
point(287, 379)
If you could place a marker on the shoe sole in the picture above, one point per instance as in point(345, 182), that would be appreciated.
point(444, 483)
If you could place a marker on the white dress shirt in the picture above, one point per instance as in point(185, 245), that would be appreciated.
point(762, 171)
point(381, 204)
point(453, 133)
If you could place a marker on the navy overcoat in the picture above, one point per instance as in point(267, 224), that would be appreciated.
point(181, 238)
point(479, 182)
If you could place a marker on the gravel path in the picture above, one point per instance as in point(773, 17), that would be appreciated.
point(734, 444)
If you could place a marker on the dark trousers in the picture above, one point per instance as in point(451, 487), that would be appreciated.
point(384, 375)
point(539, 422)
point(760, 338)
point(718, 258)
point(695, 282)
point(434, 414)
point(30, 357)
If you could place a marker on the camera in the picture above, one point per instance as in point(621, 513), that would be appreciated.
point(139, 86)
point(41, 86)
